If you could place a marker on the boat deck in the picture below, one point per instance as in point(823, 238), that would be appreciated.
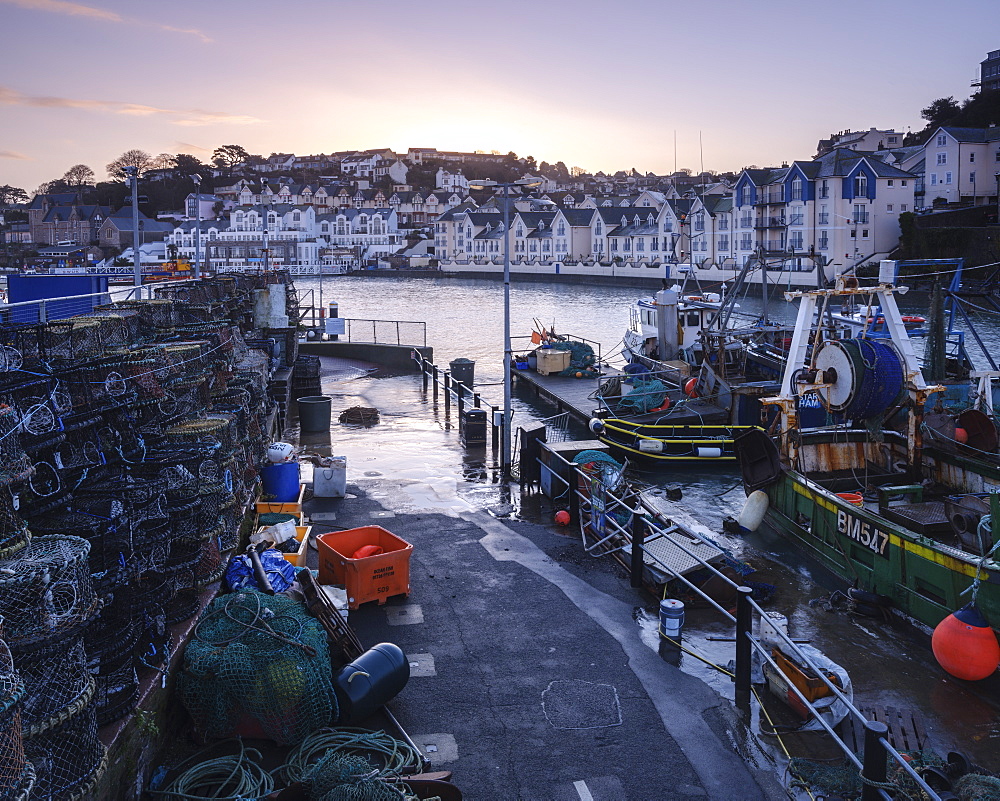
point(577, 396)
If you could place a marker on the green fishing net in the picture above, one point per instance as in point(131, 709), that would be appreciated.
point(259, 666)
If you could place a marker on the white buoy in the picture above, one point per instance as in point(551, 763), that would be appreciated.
point(596, 425)
point(708, 453)
point(753, 511)
point(278, 452)
point(671, 617)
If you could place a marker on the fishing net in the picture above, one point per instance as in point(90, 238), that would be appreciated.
point(645, 396)
point(344, 777)
point(45, 589)
point(977, 787)
point(258, 665)
point(56, 680)
point(68, 758)
point(842, 778)
point(582, 359)
point(16, 774)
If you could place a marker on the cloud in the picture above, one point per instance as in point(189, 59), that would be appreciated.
point(10, 154)
point(80, 10)
point(11, 97)
point(187, 147)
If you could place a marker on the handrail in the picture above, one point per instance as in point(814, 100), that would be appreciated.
point(659, 526)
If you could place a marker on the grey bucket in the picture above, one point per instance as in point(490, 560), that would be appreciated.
point(671, 617)
point(314, 413)
point(463, 371)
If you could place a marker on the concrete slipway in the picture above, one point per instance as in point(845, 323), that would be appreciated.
point(529, 677)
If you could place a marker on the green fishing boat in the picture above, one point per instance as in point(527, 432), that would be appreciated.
point(901, 506)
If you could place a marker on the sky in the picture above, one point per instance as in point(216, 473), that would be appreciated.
point(603, 86)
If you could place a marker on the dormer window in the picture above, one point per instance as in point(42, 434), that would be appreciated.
point(797, 189)
point(860, 185)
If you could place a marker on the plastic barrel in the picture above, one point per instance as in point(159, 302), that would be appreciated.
point(463, 371)
point(671, 617)
point(280, 482)
point(371, 680)
point(314, 413)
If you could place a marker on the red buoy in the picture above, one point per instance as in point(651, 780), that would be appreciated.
point(690, 388)
point(965, 645)
point(961, 435)
point(562, 517)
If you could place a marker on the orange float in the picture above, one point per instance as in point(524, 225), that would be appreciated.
point(562, 517)
point(690, 388)
point(366, 551)
point(965, 645)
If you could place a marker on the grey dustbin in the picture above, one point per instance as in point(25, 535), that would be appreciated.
point(463, 371)
point(314, 413)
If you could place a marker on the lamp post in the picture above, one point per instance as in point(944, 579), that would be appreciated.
point(197, 230)
point(505, 455)
point(133, 176)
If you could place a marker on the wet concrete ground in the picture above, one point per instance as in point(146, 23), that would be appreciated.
point(413, 464)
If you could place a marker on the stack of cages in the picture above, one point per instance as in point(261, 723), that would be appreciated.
point(130, 440)
point(17, 774)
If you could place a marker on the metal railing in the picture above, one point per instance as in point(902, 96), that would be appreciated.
point(440, 379)
point(646, 523)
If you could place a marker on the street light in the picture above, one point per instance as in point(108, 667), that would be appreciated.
point(133, 176)
point(197, 231)
point(527, 183)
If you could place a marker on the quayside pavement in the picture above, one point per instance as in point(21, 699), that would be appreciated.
point(529, 679)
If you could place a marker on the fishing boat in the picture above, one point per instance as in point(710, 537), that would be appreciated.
point(885, 500)
point(663, 444)
point(641, 342)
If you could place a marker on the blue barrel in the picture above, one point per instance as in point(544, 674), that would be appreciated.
point(671, 617)
point(280, 482)
point(370, 681)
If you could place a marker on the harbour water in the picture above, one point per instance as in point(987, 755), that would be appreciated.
point(891, 665)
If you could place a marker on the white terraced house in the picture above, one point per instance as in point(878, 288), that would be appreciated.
point(962, 164)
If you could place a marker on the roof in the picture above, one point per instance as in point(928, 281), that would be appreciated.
point(578, 216)
point(981, 135)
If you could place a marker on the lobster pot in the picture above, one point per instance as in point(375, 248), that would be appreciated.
point(110, 538)
point(230, 518)
point(68, 758)
point(210, 565)
point(151, 539)
point(184, 605)
point(14, 464)
point(118, 330)
point(56, 681)
point(185, 522)
point(76, 339)
point(45, 589)
point(152, 592)
point(14, 534)
point(29, 343)
point(16, 773)
point(210, 501)
point(216, 432)
point(111, 658)
point(142, 372)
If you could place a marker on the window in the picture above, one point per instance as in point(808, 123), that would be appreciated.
point(628, 244)
point(745, 196)
point(598, 229)
point(668, 226)
point(723, 243)
point(893, 140)
point(902, 183)
point(902, 207)
point(797, 189)
point(824, 240)
point(824, 190)
point(614, 244)
point(746, 242)
point(640, 243)
point(860, 185)
point(947, 177)
point(546, 246)
point(942, 140)
point(796, 240)
point(860, 215)
point(723, 223)
point(891, 182)
point(933, 179)
point(654, 243)
point(972, 157)
point(561, 231)
point(888, 207)
point(972, 177)
point(942, 158)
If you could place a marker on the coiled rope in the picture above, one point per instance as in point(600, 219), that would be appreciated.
point(226, 778)
point(396, 757)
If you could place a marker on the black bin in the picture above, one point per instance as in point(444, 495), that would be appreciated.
point(463, 371)
point(472, 425)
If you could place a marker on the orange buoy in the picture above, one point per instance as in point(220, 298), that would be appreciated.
point(961, 435)
point(367, 550)
point(689, 387)
point(965, 645)
point(663, 406)
point(562, 517)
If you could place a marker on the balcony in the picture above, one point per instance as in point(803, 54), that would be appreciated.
point(823, 218)
point(770, 198)
point(860, 218)
point(770, 222)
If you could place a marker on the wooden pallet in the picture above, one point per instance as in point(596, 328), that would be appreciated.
point(907, 732)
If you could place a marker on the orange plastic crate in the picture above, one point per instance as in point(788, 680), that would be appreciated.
point(372, 578)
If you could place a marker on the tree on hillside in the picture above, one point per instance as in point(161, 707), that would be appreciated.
point(139, 159)
point(12, 194)
point(940, 111)
point(79, 175)
point(228, 156)
point(185, 164)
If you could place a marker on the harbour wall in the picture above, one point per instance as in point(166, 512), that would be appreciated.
point(398, 357)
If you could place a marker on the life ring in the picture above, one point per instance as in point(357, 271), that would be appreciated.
point(690, 387)
point(694, 297)
point(912, 318)
point(662, 407)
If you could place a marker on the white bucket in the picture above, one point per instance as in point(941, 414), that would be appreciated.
point(671, 617)
point(770, 624)
point(331, 482)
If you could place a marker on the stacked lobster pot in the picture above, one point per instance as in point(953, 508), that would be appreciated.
point(17, 774)
point(130, 440)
